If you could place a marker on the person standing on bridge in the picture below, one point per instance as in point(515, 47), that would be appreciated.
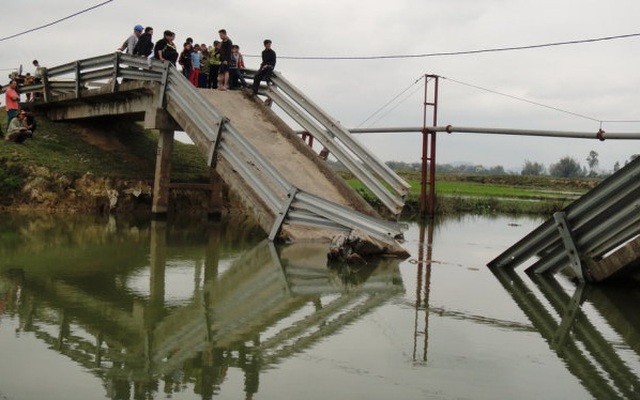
point(225, 59)
point(203, 78)
point(131, 42)
point(144, 47)
point(214, 64)
point(165, 49)
point(196, 55)
point(40, 71)
point(185, 59)
point(236, 80)
point(266, 67)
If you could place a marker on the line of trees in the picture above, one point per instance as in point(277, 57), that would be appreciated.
point(569, 167)
point(566, 167)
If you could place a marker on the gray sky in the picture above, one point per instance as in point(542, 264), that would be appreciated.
point(598, 80)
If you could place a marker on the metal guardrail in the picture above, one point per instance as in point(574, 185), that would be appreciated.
point(383, 182)
point(585, 231)
point(185, 104)
point(293, 205)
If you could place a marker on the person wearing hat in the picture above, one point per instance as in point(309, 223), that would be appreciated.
point(17, 131)
point(131, 42)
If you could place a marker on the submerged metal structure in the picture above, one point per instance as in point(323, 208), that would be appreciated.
point(588, 234)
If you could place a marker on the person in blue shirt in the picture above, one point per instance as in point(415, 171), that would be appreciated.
point(195, 65)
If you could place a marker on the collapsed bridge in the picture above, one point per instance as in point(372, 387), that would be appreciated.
point(283, 183)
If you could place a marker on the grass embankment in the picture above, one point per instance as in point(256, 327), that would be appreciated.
point(513, 194)
point(103, 148)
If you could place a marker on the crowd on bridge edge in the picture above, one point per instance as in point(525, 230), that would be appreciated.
point(219, 66)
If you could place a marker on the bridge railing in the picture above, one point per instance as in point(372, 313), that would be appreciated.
point(94, 73)
point(212, 133)
point(381, 180)
point(106, 71)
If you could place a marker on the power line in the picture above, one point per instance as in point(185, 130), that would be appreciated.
point(524, 100)
point(397, 105)
point(55, 22)
point(461, 53)
point(600, 121)
point(389, 102)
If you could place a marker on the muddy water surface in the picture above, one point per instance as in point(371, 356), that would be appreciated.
point(106, 309)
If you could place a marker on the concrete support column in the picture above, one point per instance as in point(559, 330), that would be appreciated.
point(216, 200)
point(163, 173)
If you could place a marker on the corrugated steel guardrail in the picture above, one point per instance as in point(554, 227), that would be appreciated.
point(385, 184)
point(597, 223)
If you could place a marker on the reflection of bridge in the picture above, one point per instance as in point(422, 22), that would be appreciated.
point(130, 340)
point(286, 186)
point(596, 361)
point(606, 366)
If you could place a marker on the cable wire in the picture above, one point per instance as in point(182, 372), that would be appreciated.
point(600, 121)
point(55, 22)
point(389, 102)
point(460, 53)
point(524, 100)
point(396, 106)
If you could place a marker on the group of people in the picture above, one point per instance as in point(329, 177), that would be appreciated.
point(216, 67)
point(20, 123)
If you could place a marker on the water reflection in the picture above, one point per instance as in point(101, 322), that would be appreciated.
point(98, 293)
point(136, 309)
point(573, 333)
point(594, 330)
point(423, 288)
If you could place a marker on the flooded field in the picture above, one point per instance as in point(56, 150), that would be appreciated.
point(106, 309)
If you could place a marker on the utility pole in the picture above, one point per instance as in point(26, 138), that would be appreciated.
point(428, 176)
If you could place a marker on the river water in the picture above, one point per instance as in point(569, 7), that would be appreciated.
point(110, 309)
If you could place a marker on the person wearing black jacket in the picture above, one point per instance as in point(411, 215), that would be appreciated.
point(165, 49)
point(225, 59)
point(144, 47)
point(266, 67)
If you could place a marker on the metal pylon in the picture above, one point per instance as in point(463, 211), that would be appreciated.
point(428, 202)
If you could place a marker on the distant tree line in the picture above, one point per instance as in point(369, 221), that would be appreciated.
point(566, 167)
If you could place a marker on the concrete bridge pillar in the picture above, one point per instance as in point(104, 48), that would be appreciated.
point(216, 199)
point(162, 177)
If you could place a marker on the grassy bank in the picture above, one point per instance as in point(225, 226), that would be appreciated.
point(104, 147)
point(512, 194)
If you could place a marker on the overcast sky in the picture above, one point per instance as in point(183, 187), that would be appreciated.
point(599, 80)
